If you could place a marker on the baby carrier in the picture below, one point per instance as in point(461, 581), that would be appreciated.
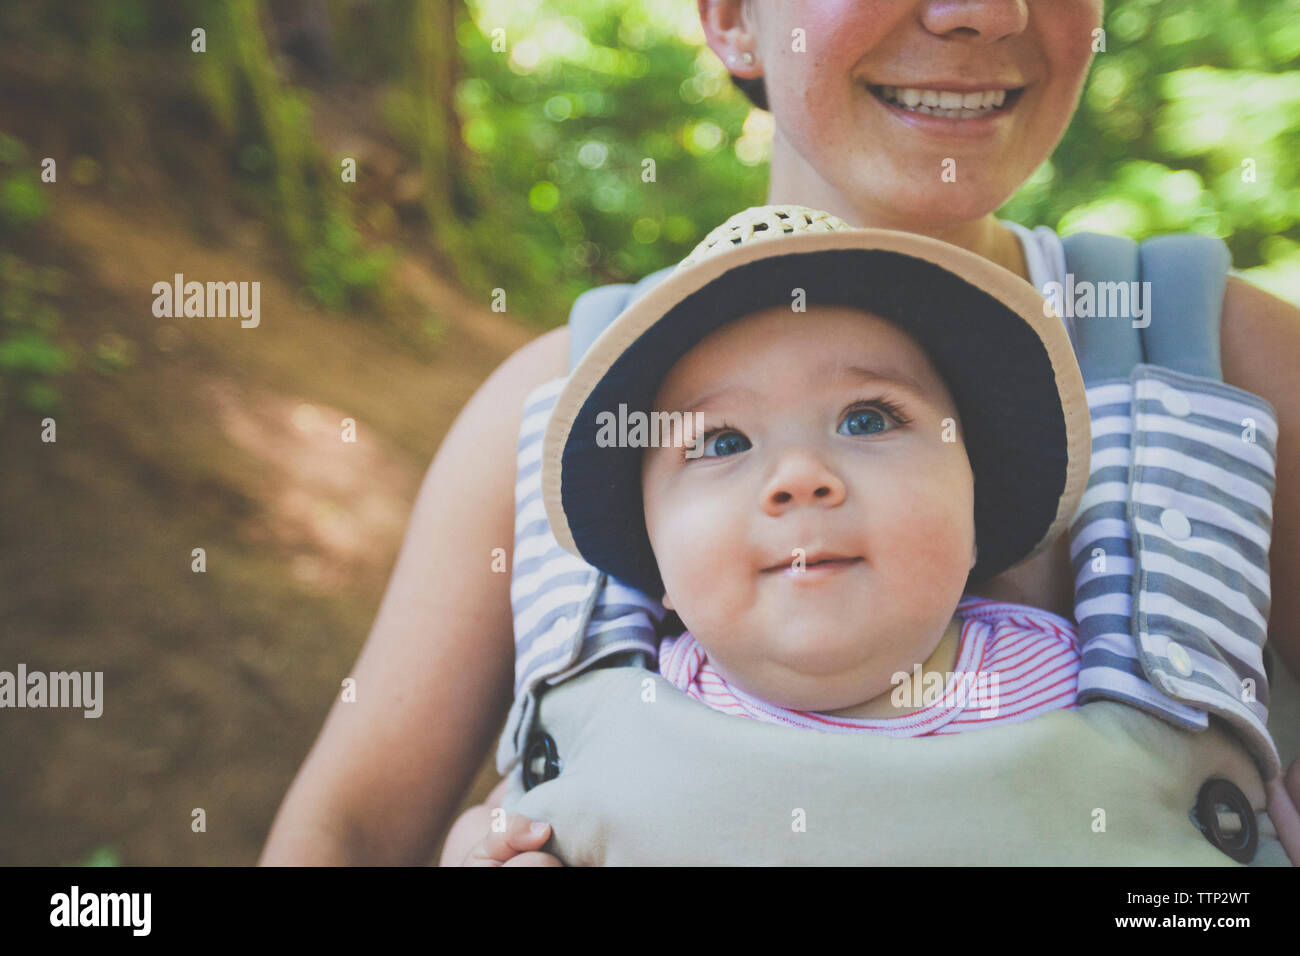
point(1163, 763)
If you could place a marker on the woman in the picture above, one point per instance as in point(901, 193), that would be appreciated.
point(388, 770)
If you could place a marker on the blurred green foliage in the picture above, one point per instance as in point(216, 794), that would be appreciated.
point(31, 357)
point(1190, 121)
point(339, 270)
point(272, 123)
point(102, 856)
point(565, 123)
point(132, 91)
point(582, 142)
point(1184, 95)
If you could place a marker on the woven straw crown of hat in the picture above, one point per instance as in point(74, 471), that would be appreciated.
point(761, 223)
point(982, 325)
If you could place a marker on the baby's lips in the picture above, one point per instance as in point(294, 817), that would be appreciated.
point(809, 558)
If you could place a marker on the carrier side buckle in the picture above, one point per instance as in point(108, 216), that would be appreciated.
point(540, 748)
point(1225, 817)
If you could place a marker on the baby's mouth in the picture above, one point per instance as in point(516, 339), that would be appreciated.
point(827, 562)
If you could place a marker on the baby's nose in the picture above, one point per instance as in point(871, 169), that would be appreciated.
point(802, 478)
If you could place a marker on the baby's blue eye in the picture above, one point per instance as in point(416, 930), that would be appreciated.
point(863, 421)
point(726, 443)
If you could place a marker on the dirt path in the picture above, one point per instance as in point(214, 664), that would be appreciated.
point(226, 439)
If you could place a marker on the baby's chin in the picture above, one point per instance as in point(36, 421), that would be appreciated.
point(820, 694)
point(809, 676)
point(809, 651)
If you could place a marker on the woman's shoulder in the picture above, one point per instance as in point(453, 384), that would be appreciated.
point(1258, 323)
point(540, 362)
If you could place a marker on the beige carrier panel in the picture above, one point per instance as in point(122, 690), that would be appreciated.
point(648, 776)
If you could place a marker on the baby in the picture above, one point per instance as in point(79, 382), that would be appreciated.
point(815, 521)
point(818, 547)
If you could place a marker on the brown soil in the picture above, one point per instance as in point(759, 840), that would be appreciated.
point(226, 439)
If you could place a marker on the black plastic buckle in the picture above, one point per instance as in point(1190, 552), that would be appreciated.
point(1219, 796)
point(540, 747)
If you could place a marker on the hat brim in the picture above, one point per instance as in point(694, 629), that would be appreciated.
point(1005, 356)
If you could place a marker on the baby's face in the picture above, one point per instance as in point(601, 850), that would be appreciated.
point(824, 437)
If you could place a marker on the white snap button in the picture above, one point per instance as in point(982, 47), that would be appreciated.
point(1178, 658)
point(1176, 403)
point(1175, 524)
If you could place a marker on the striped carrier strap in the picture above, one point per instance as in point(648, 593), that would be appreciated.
point(1170, 543)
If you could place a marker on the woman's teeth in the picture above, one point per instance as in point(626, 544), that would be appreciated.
point(943, 102)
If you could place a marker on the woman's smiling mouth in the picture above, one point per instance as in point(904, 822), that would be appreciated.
point(952, 104)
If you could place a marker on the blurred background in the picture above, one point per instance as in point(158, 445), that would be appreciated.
point(497, 144)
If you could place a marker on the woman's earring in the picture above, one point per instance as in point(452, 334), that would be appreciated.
point(746, 58)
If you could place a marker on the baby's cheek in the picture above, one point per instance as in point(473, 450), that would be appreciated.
point(700, 565)
point(935, 529)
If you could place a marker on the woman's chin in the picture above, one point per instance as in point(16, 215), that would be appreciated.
point(939, 206)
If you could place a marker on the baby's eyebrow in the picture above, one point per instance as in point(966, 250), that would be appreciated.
point(826, 373)
point(708, 398)
point(836, 371)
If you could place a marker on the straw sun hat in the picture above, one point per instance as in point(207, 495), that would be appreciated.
point(1005, 356)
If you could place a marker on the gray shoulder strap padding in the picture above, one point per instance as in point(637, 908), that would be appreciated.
point(1107, 348)
point(596, 308)
point(1187, 276)
point(1177, 280)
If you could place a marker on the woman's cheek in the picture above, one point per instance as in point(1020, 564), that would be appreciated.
point(1068, 39)
point(805, 85)
point(1077, 16)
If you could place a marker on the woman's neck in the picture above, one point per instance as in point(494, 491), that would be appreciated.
point(986, 236)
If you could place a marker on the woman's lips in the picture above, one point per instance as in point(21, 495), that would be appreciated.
point(947, 119)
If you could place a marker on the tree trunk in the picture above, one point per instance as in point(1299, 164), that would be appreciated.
point(252, 58)
point(435, 69)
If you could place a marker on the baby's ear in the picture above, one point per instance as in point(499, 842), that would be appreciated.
point(974, 554)
point(668, 604)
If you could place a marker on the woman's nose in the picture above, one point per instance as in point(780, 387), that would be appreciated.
point(987, 20)
point(801, 478)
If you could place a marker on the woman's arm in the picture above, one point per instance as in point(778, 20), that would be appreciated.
point(1260, 339)
point(435, 678)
